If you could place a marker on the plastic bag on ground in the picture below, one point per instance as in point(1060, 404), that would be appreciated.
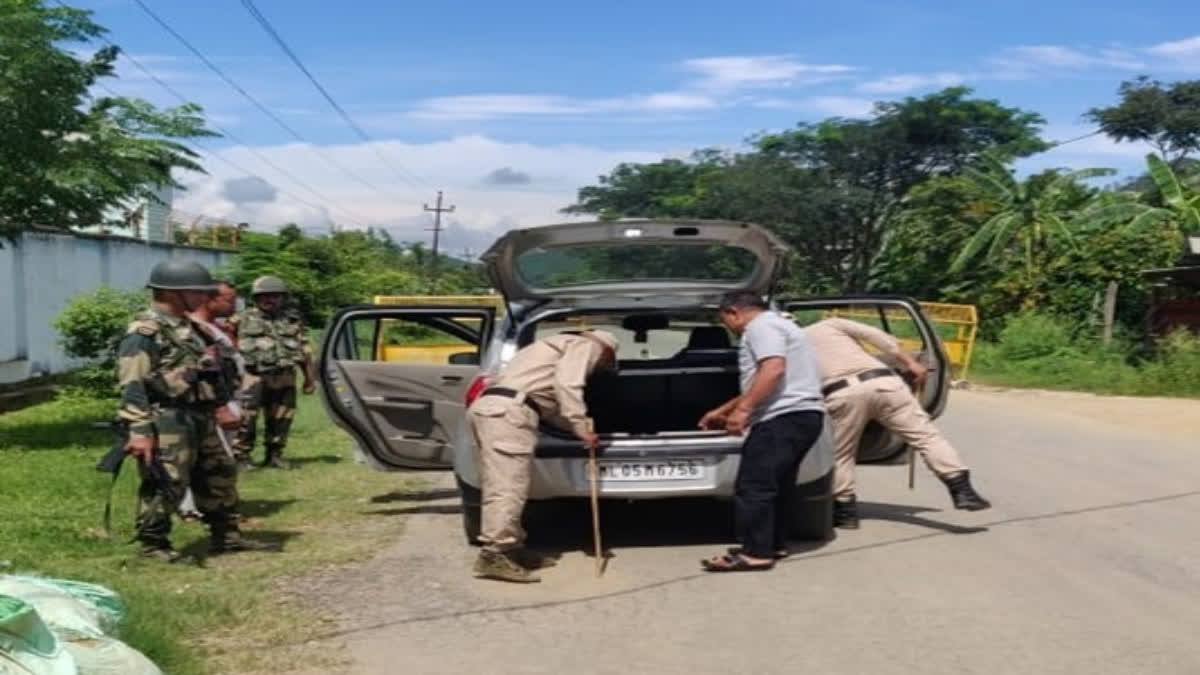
point(27, 647)
point(80, 620)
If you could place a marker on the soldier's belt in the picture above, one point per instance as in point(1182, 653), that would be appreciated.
point(511, 393)
point(855, 379)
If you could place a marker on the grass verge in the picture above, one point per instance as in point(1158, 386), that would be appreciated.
point(1039, 351)
point(214, 615)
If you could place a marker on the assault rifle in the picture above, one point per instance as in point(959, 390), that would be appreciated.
point(113, 459)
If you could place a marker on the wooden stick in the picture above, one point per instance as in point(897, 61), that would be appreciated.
point(592, 471)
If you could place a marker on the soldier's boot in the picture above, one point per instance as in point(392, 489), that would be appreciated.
point(275, 459)
point(845, 513)
point(532, 560)
point(227, 538)
point(962, 494)
point(159, 549)
point(503, 567)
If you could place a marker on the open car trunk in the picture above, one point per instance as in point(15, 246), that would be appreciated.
point(650, 397)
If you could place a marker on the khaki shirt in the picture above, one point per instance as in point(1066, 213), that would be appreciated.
point(553, 372)
point(835, 342)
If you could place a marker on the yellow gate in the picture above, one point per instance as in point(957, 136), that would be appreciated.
point(957, 326)
point(432, 351)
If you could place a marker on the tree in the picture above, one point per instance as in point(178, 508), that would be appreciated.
point(1034, 214)
point(871, 165)
point(66, 156)
point(659, 189)
point(1166, 117)
point(830, 189)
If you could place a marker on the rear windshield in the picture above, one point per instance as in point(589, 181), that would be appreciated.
point(653, 341)
point(614, 263)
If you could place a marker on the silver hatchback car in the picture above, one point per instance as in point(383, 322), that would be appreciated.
point(399, 378)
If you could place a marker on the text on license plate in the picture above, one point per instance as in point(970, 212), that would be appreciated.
point(663, 470)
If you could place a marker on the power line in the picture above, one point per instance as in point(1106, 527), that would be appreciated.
point(232, 164)
point(357, 220)
point(1055, 144)
point(270, 29)
point(245, 94)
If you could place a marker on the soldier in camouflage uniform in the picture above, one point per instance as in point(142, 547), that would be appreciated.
point(273, 341)
point(173, 396)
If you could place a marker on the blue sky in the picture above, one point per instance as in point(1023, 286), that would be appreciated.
point(510, 107)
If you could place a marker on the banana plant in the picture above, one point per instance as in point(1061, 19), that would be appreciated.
point(1182, 203)
point(1032, 213)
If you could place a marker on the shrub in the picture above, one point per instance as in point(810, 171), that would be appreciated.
point(90, 326)
point(1033, 335)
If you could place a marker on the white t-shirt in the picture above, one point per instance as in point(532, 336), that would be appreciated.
point(770, 334)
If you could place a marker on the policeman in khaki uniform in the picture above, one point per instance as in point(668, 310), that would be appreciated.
point(859, 388)
point(273, 341)
point(174, 393)
point(544, 382)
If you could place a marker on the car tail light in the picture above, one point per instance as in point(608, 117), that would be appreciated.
point(476, 389)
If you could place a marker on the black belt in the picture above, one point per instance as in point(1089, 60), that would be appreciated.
point(861, 377)
point(511, 393)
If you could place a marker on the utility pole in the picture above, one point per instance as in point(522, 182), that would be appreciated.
point(437, 226)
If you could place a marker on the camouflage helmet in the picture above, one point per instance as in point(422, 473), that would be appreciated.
point(268, 284)
point(180, 275)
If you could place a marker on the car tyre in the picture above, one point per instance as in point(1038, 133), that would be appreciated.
point(812, 519)
point(472, 510)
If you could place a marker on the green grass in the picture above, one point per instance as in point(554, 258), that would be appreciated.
point(1040, 352)
point(186, 617)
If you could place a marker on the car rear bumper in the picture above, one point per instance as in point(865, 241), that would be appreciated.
point(560, 466)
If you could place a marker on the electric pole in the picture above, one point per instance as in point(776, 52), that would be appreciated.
point(437, 226)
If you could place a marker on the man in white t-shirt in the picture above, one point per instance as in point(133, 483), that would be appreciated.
point(781, 413)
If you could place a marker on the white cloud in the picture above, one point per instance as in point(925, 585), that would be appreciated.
point(1177, 48)
point(482, 210)
point(899, 84)
point(736, 72)
point(841, 106)
point(489, 106)
point(714, 82)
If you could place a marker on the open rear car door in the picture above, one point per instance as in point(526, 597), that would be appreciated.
point(395, 378)
point(902, 317)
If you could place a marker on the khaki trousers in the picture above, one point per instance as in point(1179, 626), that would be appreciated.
point(888, 401)
point(505, 431)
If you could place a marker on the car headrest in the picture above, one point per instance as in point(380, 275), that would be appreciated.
point(708, 337)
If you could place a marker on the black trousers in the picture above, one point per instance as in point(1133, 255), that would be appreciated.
point(766, 482)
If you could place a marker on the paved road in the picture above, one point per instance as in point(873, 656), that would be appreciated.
point(1089, 562)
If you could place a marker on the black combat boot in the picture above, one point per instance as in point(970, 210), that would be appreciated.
point(964, 496)
point(160, 550)
point(225, 537)
point(845, 513)
point(275, 459)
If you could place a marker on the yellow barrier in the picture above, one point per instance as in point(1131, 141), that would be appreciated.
point(438, 354)
point(957, 325)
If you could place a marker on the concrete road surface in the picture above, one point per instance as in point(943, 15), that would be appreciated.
point(1089, 562)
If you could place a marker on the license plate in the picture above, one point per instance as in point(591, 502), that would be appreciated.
point(685, 469)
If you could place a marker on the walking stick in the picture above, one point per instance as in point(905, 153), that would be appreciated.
point(595, 512)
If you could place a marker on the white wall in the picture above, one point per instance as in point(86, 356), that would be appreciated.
point(40, 274)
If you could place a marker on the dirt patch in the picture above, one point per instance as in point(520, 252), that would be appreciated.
point(1179, 417)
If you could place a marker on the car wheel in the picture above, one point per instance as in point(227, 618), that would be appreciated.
point(472, 510)
point(812, 519)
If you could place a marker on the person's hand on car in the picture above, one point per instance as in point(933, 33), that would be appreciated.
point(590, 440)
point(737, 421)
point(713, 419)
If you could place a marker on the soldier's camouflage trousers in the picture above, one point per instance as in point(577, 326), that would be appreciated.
point(275, 395)
point(192, 455)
